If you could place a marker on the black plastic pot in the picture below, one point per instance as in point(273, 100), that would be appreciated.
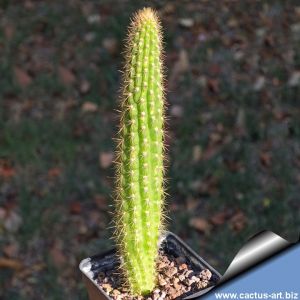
point(169, 243)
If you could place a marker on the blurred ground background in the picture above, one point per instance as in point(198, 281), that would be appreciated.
point(233, 72)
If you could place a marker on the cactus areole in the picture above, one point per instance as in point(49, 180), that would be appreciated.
point(139, 193)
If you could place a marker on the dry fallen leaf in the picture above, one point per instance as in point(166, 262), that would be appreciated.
point(22, 77)
point(9, 31)
point(94, 19)
point(186, 22)
point(232, 22)
point(240, 127)
point(209, 185)
point(280, 115)
point(12, 221)
point(266, 159)
point(57, 254)
point(181, 65)
point(106, 159)
point(200, 224)
point(7, 171)
point(219, 218)
point(89, 107)
point(75, 207)
point(111, 45)
point(259, 83)
point(197, 153)
point(94, 219)
point(84, 87)
point(294, 80)
point(216, 137)
point(295, 28)
point(176, 111)
point(192, 203)
point(82, 228)
point(210, 152)
point(213, 85)
point(67, 77)
point(2, 214)
point(101, 201)
point(238, 221)
point(10, 263)
point(233, 166)
point(11, 250)
point(54, 172)
point(214, 69)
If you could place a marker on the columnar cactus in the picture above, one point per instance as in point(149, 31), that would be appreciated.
point(140, 154)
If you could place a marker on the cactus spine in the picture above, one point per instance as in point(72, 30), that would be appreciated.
point(140, 154)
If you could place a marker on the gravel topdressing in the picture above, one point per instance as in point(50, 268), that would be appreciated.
point(176, 279)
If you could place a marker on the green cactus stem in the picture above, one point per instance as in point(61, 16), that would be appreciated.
point(140, 154)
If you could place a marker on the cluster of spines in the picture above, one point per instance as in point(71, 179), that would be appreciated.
point(140, 171)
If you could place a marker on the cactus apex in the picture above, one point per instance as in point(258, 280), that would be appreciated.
point(145, 15)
